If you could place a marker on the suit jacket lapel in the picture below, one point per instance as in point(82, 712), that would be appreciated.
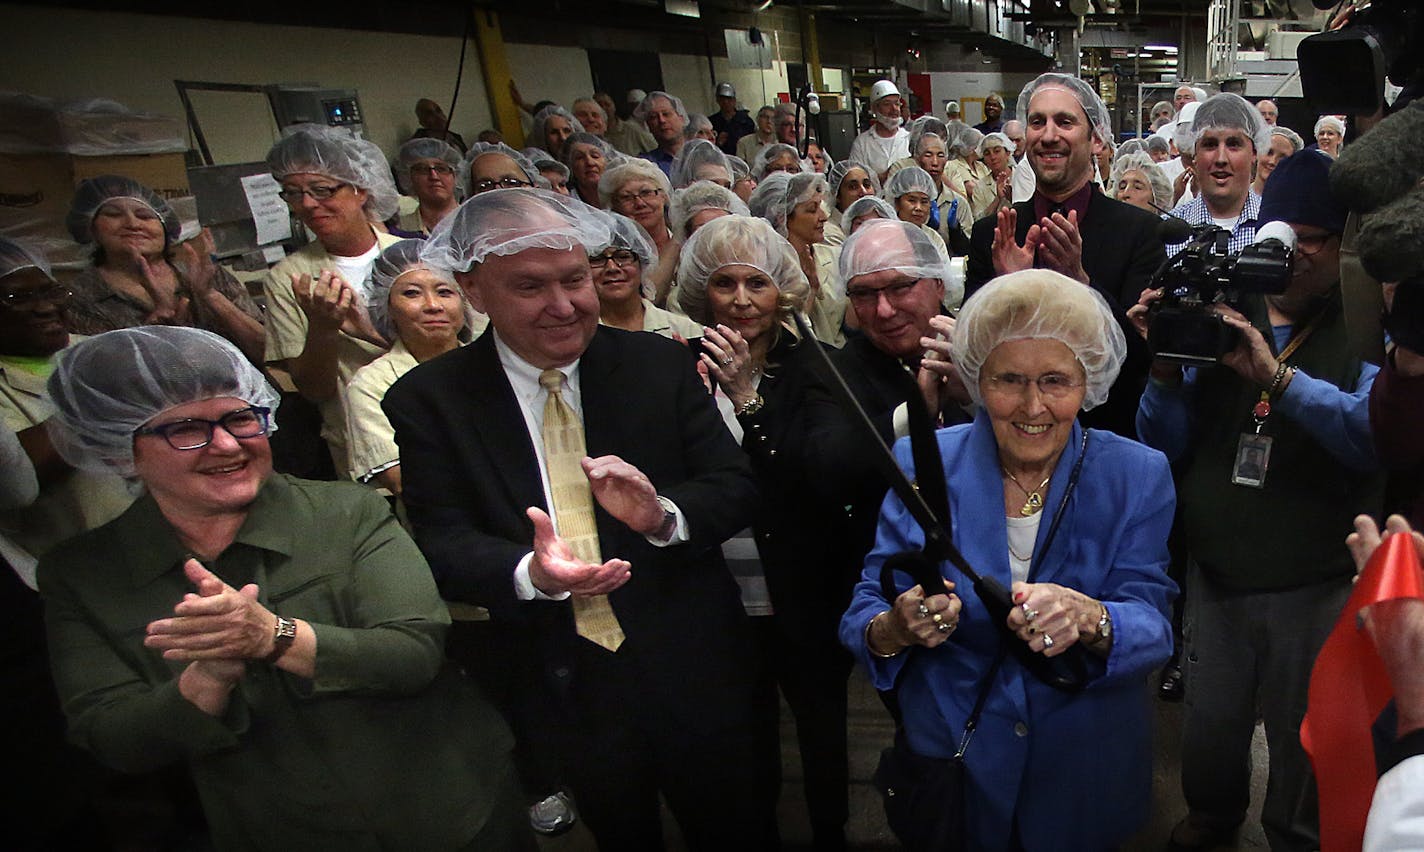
point(1093, 236)
point(499, 424)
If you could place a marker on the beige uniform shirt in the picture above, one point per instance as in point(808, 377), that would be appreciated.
point(287, 335)
point(370, 438)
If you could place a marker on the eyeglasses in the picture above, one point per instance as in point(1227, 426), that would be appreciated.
point(503, 183)
point(622, 257)
point(318, 192)
point(1051, 385)
point(644, 195)
point(30, 300)
point(1311, 244)
point(437, 169)
point(194, 433)
point(865, 296)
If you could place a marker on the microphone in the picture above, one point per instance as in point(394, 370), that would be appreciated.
point(1174, 229)
point(1277, 232)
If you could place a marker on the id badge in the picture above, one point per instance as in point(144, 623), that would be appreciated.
point(1253, 457)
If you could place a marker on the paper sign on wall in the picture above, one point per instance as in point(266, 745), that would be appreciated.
point(269, 211)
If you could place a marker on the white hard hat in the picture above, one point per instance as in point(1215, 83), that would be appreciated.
point(881, 89)
point(635, 96)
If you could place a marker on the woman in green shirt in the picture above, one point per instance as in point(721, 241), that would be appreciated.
point(282, 637)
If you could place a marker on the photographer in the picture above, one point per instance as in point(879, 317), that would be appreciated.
point(1267, 577)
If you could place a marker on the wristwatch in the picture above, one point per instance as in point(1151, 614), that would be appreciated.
point(1104, 626)
point(283, 635)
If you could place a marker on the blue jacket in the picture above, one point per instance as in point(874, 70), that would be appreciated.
point(1074, 771)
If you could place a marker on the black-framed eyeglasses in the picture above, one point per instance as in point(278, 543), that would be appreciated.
point(30, 300)
point(1052, 385)
point(194, 433)
point(1312, 244)
point(622, 257)
point(871, 295)
point(486, 184)
point(437, 169)
point(318, 192)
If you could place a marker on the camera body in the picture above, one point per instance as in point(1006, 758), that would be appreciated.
point(1182, 327)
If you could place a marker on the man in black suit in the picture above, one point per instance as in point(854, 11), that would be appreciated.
point(670, 711)
point(1071, 227)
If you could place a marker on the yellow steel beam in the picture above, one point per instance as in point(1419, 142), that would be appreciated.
point(495, 65)
point(813, 50)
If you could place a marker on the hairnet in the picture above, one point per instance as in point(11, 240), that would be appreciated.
point(693, 199)
point(907, 180)
point(395, 260)
point(968, 143)
point(729, 240)
point(1290, 136)
point(740, 169)
point(1093, 106)
point(891, 244)
point(1131, 146)
point(825, 153)
point(541, 121)
point(507, 221)
point(1157, 144)
point(1329, 121)
point(996, 139)
point(534, 153)
point(480, 149)
point(1163, 106)
point(696, 123)
point(416, 150)
point(624, 233)
point(926, 140)
point(956, 138)
point(1156, 178)
point(95, 192)
point(836, 174)
point(106, 387)
point(695, 154)
point(631, 168)
point(775, 197)
point(1228, 111)
point(646, 105)
point(337, 154)
point(864, 205)
point(1199, 93)
point(611, 156)
point(15, 256)
point(552, 165)
point(1039, 304)
point(922, 125)
point(771, 152)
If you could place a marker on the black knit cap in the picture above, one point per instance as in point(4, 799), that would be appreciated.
point(1298, 192)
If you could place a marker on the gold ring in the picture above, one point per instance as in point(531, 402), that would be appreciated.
point(938, 618)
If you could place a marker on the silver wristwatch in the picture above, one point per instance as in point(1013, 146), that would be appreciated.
point(1104, 625)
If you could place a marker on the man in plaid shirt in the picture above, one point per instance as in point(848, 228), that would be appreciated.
point(1227, 131)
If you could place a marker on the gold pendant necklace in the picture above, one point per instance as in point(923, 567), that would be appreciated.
point(1035, 497)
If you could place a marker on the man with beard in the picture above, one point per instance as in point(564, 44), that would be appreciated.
point(886, 141)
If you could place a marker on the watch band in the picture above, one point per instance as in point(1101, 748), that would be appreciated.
point(1104, 625)
point(284, 633)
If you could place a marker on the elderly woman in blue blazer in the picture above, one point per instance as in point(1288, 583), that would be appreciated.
point(1046, 769)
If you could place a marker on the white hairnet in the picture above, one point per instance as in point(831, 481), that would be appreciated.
point(702, 195)
point(1131, 146)
point(907, 180)
point(740, 169)
point(1156, 144)
point(541, 121)
point(95, 192)
point(697, 154)
point(957, 138)
point(1093, 106)
point(1156, 178)
point(15, 256)
point(996, 140)
point(548, 164)
point(1228, 111)
point(624, 233)
point(904, 247)
point(925, 124)
point(106, 387)
point(1199, 93)
point(480, 149)
point(1329, 121)
point(341, 156)
point(1290, 136)
point(416, 150)
point(1182, 135)
point(611, 155)
point(736, 240)
point(1039, 304)
point(771, 152)
point(969, 143)
point(836, 174)
point(507, 221)
point(631, 168)
point(696, 123)
point(825, 155)
point(646, 105)
point(777, 195)
point(395, 260)
point(865, 205)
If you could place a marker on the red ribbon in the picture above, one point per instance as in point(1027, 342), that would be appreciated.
point(1348, 689)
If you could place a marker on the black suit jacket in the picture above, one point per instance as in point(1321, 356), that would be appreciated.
point(1121, 251)
point(469, 470)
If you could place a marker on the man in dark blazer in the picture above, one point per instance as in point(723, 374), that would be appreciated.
point(669, 712)
point(1071, 227)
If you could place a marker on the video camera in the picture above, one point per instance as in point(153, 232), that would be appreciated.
point(1182, 327)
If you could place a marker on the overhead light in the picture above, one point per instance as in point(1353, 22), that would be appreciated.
point(1167, 48)
point(766, 4)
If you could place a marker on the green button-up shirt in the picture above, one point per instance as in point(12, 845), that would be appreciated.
point(383, 748)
